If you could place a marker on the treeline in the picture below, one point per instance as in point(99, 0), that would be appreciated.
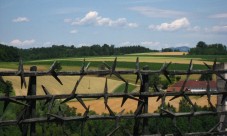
point(169, 50)
point(9, 53)
point(212, 49)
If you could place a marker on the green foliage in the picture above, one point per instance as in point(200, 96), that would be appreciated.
point(170, 50)
point(58, 67)
point(132, 49)
point(9, 53)
point(165, 83)
point(178, 78)
point(103, 127)
point(213, 49)
point(184, 106)
point(154, 79)
point(5, 86)
point(159, 82)
point(205, 77)
point(167, 50)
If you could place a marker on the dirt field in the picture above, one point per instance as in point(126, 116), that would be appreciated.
point(130, 105)
point(96, 84)
point(150, 59)
point(161, 53)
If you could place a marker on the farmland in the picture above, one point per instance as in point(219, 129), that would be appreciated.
point(87, 85)
point(131, 105)
point(91, 84)
point(154, 60)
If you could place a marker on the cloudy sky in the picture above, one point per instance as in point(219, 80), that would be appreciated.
point(152, 23)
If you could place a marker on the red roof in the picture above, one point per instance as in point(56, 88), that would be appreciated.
point(191, 84)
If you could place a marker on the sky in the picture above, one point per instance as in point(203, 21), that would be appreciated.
point(155, 24)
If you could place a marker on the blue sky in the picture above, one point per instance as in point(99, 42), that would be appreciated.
point(154, 24)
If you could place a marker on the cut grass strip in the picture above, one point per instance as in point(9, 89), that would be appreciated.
point(121, 88)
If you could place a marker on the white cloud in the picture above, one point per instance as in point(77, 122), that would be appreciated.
point(18, 42)
point(1, 42)
point(217, 29)
point(133, 25)
point(155, 12)
point(67, 20)
point(182, 44)
point(93, 18)
point(126, 43)
point(221, 15)
point(150, 43)
point(174, 25)
point(194, 29)
point(66, 10)
point(46, 44)
point(21, 19)
point(73, 31)
point(89, 18)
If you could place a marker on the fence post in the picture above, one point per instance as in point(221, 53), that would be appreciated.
point(32, 103)
point(221, 87)
point(143, 88)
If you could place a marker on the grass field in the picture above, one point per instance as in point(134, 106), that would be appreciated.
point(96, 84)
point(153, 60)
point(127, 58)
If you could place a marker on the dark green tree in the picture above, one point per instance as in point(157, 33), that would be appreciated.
point(205, 77)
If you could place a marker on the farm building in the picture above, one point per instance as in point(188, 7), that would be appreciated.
point(193, 86)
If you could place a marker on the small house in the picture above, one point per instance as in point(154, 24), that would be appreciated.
point(193, 86)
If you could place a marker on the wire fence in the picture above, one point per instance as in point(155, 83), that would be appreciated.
point(140, 116)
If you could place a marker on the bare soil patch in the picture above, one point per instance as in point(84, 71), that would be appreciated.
point(131, 105)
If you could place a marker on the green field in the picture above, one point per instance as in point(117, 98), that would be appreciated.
point(154, 61)
point(179, 62)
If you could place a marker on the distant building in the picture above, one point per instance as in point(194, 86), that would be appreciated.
point(193, 86)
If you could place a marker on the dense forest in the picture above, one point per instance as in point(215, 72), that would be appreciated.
point(9, 53)
point(204, 49)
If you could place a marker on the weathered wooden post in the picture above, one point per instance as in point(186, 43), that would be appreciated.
point(221, 86)
point(32, 103)
point(143, 88)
